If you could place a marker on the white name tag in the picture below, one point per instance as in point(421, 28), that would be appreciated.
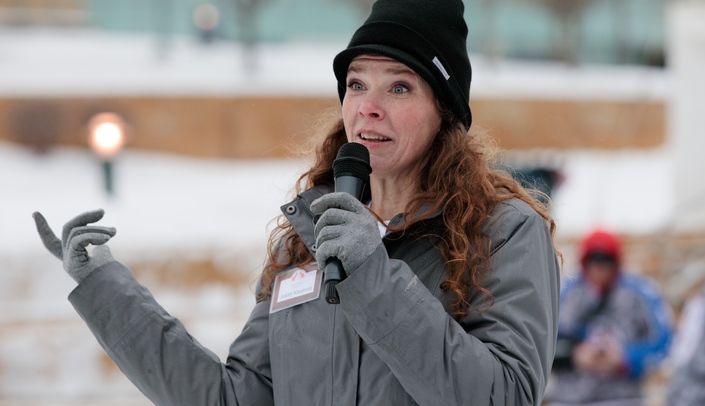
point(295, 286)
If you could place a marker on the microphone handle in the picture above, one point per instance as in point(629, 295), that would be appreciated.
point(350, 184)
point(334, 274)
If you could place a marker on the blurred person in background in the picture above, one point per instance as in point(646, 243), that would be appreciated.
point(687, 383)
point(614, 329)
point(452, 288)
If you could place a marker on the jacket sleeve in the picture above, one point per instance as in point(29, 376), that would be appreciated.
point(500, 356)
point(154, 350)
point(641, 356)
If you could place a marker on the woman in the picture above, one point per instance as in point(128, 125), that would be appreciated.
point(452, 287)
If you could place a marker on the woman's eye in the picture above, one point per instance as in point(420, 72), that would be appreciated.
point(355, 86)
point(398, 89)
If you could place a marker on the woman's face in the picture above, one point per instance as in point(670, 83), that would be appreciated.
point(392, 111)
point(600, 274)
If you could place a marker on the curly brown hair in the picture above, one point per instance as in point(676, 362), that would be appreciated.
point(458, 179)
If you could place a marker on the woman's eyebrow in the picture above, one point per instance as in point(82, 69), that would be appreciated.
point(353, 68)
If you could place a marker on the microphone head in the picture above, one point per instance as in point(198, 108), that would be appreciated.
point(353, 159)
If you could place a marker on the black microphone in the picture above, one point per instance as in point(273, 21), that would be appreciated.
point(351, 170)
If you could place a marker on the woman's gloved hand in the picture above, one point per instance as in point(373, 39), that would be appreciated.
point(76, 236)
point(345, 230)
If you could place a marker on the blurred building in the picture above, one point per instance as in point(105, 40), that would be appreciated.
point(523, 115)
point(605, 31)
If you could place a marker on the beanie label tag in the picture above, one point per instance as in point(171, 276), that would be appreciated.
point(440, 67)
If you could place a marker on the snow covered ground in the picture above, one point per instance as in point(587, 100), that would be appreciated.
point(179, 207)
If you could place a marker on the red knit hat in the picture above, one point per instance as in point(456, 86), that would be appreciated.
point(602, 244)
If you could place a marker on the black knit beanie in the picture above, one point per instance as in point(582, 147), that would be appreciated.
point(428, 36)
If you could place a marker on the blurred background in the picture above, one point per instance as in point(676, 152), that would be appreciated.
point(183, 119)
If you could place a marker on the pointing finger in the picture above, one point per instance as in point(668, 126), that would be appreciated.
point(49, 239)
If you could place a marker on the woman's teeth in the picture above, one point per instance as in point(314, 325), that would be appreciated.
point(373, 137)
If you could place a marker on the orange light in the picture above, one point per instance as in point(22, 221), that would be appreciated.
point(206, 16)
point(106, 134)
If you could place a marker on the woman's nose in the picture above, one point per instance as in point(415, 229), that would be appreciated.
point(371, 106)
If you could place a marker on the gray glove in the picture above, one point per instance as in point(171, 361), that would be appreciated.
point(345, 230)
point(77, 234)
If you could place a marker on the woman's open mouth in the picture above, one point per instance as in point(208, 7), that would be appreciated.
point(373, 137)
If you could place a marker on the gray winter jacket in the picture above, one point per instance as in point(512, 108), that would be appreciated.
point(392, 340)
